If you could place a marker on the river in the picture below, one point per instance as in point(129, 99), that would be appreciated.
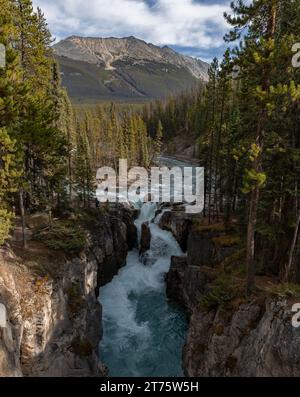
point(144, 333)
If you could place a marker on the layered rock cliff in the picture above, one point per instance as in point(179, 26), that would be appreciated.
point(230, 334)
point(53, 325)
point(256, 339)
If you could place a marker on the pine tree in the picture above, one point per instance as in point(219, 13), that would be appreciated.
point(83, 170)
point(210, 128)
point(158, 141)
point(66, 124)
point(133, 140)
point(11, 91)
point(260, 19)
point(9, 174)
point(29, 106)
point(144, 157)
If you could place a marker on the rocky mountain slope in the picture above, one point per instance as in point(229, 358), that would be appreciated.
point(124, 69)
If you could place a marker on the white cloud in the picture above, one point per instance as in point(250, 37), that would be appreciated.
point(184, 23)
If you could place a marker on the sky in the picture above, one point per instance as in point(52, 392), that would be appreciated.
point(192, 27)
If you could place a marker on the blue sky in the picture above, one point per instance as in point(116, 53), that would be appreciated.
point(192, 27)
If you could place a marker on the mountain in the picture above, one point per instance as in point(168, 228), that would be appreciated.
point(124, 69)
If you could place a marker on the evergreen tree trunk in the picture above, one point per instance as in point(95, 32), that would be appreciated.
point(23, 221)
point(251, 238)
point(217, 201)
point(292, 249)
point(254, 201)
point(70, 177)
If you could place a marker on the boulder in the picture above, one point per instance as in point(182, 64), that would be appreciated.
point(128, 216)
point(179, 224)
point(145, 238)
point(37, 221)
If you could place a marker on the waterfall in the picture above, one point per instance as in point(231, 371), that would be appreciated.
point(143, 333)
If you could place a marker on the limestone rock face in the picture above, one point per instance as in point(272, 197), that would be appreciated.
point(189, 276)
point(175, 279)
point(112, 235)
point(54, 324)
point(255, 340)
point(250, 338)
point(185, 284)
point(11, 334)
point(45, 317)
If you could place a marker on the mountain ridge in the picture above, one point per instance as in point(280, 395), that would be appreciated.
point(125, 68)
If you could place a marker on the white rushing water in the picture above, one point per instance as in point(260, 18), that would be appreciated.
point(143, 333)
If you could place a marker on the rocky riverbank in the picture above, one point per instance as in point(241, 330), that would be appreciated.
point(53, 323)
point(229, 334)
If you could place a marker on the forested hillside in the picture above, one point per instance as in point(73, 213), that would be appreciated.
point(49, 152)
point(246, 121)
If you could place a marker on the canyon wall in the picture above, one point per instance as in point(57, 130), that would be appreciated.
point(53, 318)
point(229, 335)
